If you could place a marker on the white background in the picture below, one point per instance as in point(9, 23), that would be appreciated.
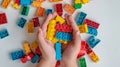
point(106, 12)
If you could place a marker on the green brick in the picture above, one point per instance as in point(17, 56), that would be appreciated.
point(25, 10)
point(78, 6)
point(82, 62)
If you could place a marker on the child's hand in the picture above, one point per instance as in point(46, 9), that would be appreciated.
point(46, 46)
point(70, 53)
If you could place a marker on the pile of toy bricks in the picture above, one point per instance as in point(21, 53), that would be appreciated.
point(59, 32)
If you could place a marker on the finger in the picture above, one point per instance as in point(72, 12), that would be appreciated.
point(54, 15)
point(73, 23)
point(46, 22)
point(66, 18)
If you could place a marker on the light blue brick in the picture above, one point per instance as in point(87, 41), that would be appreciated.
point(58, 51)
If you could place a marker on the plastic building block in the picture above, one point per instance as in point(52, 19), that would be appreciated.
point(63, 41)
point(58, 51)
point(63, 28)
point(27, 48)
point(49, 11)
point(16, 6)
point(40, 11)
point(17, 54)
point(30, 26)
point(77, 1)
point(57, 64)
point(37, 51)
point(36, 4)
point(25, 10)
point(36, 21)
point(92, 31)
point(92, 41)
point(22, 22)
point(54, 40)
point(81, 17)
point(3, 18)
point(3, 33)
point(92, 23)
point(82, 62)
point(78, 6)
point(64, 36)
point(27, 58)
point(25, 2)
point(70, 9)
point(83, 28)
point(35, 58)
point(34, 45)
point(60, 19)
point(6, 3)
point(88, 48)
point(41, 0)
point(85, 1)
point(17, 2)
point(94, 57)
point(59, 9)
point(55, 0)
point(51, 30)
point(82, 51)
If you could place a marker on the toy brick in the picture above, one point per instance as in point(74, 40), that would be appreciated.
point(41, 0)
point(37, 51)
point(83, 28)
point(88, 48)
point(82, 51)
point(54, 40)
point(36, 21)
point(85, 1)
point(17, 54)
point(63, 28)
point(3, 18)
point(6, 3)
point(22, 22)
point(25, 10)
point(17, 2)
point(59, 9)
point(92, 31)
point(34, 45)
point(57, 64)
point(70, 9)
point(60, 19)
point(58, 47)
point(80, 18)
point(94, 57)
point(40, 11)
point(78, 6)
point(16, 6)
point(55, 0)
point(92, 41)
point(36, 4)
point(27, 48)
point(92, 23)
point(64, 36)
point(25, 2)
point(30, 26)
point(3, 33)
point(49, 11)
point(63, 42)
point(27, 58)
point(82, 62)
point(35, 58)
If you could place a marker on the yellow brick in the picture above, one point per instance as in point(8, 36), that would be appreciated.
point(30, 27)
point(36, 4)
point(60, 19)
point(55, 0)
point(85, 1)
point(6, 3)
point(94, 57)
point(35, 45)
point(54, 40)
point(27, 48)
point(83, 28)
point(77, 1)
point(16, 6)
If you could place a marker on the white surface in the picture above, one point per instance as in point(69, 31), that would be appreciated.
point(106, 12)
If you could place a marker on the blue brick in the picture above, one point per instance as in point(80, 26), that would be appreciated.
point(92, 31)
point(81, 17)
point(49, 11)
point(93, 42)
point(35, 59)
point(26, 2)
point(17, 54)
point(22, 22)
point(64, 36)
point(4, 33)
point(58, 47)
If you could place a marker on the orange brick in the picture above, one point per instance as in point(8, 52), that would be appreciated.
point(70, 9)
point(55, 0)
point(41, 11)
point(6, 3)
point(30, 26)
point(41, 0)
